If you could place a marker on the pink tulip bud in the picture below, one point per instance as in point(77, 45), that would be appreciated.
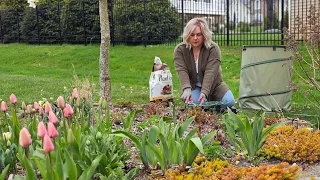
point(75, 94)
point(53, 118)
point(60, 102)
point(47, 144)
point(40, 111)
point(68, 111)
point(52, 131)
point(4, 106)
point(24, 138)
point(36, 105)
point(13, 99)
point(23, 106)
point(29, 109)
point(47, 108)
point(41, 130)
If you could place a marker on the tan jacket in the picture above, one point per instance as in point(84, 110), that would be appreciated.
point(209, 70)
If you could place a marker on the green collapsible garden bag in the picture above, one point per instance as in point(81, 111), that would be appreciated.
point(265, 78)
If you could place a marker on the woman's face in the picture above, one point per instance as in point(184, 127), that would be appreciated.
point(196, 37)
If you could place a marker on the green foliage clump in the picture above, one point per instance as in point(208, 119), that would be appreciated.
point(246, 134)
point(214, 150)
point(168, 144)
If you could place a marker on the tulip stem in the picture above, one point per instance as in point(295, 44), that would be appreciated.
point(26, 150)
point(71, 150)
point(51, 165)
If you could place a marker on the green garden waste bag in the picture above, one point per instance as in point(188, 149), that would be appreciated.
point(265, 78)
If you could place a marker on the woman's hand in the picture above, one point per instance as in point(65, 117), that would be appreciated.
point(186, 95)
point(202, 98)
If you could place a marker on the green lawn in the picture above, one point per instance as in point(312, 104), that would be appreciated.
point(34, 72)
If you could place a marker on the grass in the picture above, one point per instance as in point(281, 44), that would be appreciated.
point(34, 72)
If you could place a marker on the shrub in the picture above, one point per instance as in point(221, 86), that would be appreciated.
point(162, 22)
point(244, 27)
point(271, 24)
point(306, 56)
point(10, 22)
point(48, 24)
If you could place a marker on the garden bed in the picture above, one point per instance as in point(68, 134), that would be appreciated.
point(205, 122)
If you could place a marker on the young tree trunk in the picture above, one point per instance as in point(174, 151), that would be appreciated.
point(105, 85)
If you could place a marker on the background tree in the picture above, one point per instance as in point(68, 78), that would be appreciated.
point(105, 85)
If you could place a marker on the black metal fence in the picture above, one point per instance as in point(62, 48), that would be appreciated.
point(233, 22)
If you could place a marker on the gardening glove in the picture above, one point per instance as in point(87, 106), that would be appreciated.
point(202, 98)
point(186, 95)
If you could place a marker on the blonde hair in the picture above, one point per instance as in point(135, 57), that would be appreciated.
point(202, 24)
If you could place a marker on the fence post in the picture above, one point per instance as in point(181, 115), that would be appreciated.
point(182, 16)
point(1, 31)
point(38, 29)
point(111, 22)
point(84, 23)
point(18, 24)
point(282, 21)
point(144, 24)
point(228, 23)
point(59, 24)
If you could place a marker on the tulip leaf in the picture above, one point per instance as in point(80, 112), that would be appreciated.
point(153, 134)
point(159, 156)
point(16, 177)
point(188, 137)
point(43, 170)
point(251, 133)
point(4, 172)
point(70, 169)
point(143, 150)
point(58, 169)
point(30, 172)
point(132, 137)
point(185, 125)
point(131, 174)
point(88, 173)
point(165, 148)
point(167, 119)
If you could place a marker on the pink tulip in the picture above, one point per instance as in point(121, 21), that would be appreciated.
point(53, 118)
point(47, 144)
point(4, 106)
point(24, 138)
point(29, 108)
point(75, 94)
point(68, 111)
point(47, 108)
point(52, 131)
point(41, 130)
point(36, 106)
point(13, 99)
point(60, 102)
